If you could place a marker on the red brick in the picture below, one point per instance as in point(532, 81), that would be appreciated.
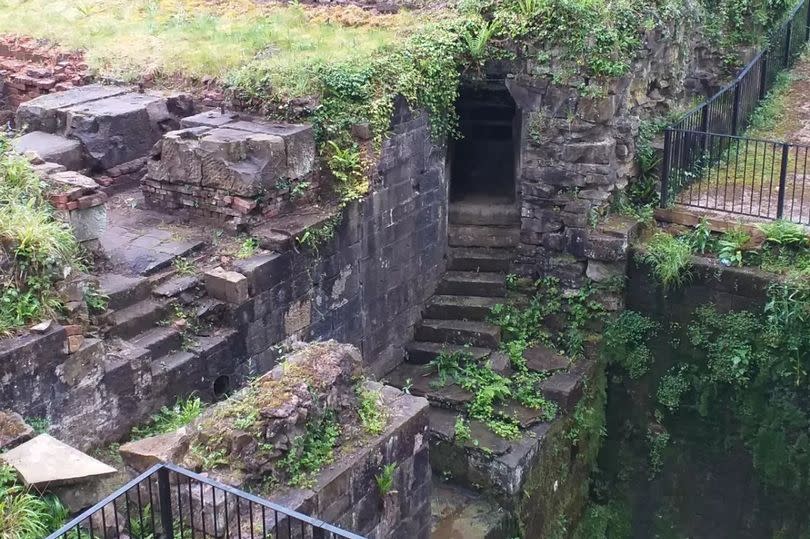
point(92, 200)
point(243, 205)
point(58, 198)
point(74, 329)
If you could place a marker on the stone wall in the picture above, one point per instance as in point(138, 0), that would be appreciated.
point(365, 286)
point(707, 485)
point(576, 150)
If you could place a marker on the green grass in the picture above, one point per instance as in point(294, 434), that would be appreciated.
point(669, 258)
point(23, 514)
point(39, 249)
point(128, 38)
point(184, 411)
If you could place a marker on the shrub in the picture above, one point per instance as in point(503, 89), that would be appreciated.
point(784, 234)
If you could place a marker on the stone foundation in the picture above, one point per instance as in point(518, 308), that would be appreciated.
point(230, 167)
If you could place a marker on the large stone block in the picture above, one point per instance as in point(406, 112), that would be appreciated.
point(118, 129)
point(225, 285)
point(51, 148)
point(47, 113)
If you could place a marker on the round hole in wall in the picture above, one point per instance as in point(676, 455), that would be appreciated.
point(222, 385)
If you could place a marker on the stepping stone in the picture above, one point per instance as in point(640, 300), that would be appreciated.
point(483, 213)
point(479, 334)
point(122, 290)
point(47, 462)
point(51, 148)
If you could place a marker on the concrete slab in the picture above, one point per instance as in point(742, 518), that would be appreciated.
point(51, 148)
point(45, 461)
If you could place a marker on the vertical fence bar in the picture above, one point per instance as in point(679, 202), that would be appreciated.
point(735, 109)
point(763, 76)
point(807, 24)
point(780, 204)
point(165, 499)
point(788, 39)
point(665, 166)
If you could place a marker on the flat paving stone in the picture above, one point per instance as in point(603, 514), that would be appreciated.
point(51, 148)
point(146, 252)
point(45, 461)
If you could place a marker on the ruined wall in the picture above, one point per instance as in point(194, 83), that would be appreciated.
point(577, 149)
point(364, 286)
point(30, 68)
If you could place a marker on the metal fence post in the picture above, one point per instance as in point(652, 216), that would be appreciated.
point(165, 498)
point(763, 75)
point(807, 23)
point(786, 61)
point(665, 167)
point(780, 204)
point(735, 109)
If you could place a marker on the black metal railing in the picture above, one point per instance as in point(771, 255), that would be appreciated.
point(168, 502)
point(708, 136)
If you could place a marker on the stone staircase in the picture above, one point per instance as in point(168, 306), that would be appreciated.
point(139, 312)
point(481, 238)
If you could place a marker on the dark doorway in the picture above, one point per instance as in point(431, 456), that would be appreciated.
point(483, 162)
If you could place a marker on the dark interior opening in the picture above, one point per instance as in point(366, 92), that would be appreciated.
point(483, 160)
point(222, 386)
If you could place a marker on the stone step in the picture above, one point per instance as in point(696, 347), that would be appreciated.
point(479, 259)
point(458, 512)
point(122, 290)
point(421, 353)
point(483, 213)
point(479, 334)
point(177, 286)
point(170, 362)
point(471, 283)
point(159, 341)
point(136, 319)
point(442, 307)
point(501, 237)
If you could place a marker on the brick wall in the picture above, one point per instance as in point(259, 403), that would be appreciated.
point(30, 68)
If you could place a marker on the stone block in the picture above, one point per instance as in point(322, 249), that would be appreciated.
point(140, 455)
point(87, 224)
point(51, 148)
point(602, 271)
point(47, 113)
point(563, 388)
point(117, 129)
point(604, 247)
point(45, 461)
point(225, 285)
point(13, 430)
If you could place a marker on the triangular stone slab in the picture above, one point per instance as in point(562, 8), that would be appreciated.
point(45, 461)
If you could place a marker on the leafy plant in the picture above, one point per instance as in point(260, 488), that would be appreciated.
point(669, 258)
point(476, 37)
point(40, 425)
point(184, 411)
point(784, 234)
point(346, 165)
point(385, 479)
point(731, 247)
point(24, 515)
point(700, 238)
point(373, 416)
point(626, 343)
point(312, 450)
point(184, 266)
point(95, 299)
point(247, 248)
point(462, 429)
